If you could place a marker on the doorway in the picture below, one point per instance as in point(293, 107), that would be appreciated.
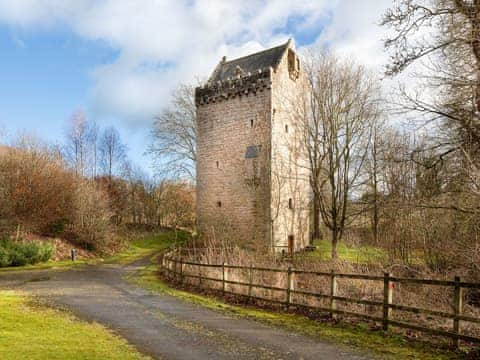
point(291, 240)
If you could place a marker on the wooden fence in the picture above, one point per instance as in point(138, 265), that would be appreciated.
point(176, 267)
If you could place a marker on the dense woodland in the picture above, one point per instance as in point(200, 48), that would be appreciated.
point(85, 190)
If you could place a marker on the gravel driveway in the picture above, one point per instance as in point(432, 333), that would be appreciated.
point(163, 326)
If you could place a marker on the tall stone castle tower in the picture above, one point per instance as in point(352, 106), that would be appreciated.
point(251, 187)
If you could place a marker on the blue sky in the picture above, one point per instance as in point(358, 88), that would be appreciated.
point(45, 78)
point(119, 60)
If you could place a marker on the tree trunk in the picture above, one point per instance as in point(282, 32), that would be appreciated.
point(375, 219)
point(475, 20)
point(334, 244)
point(316, 218)
point(375, 224)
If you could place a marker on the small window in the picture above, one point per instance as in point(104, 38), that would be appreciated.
point(251, 123)
point(219, 204)
point(286, 128)
point(218, 164)
point(253, 151)
point(290, 203)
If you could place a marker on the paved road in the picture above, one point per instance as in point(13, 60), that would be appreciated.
point(163, 326)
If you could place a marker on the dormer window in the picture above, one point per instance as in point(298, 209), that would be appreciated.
point(238, 71)
point(293, 64)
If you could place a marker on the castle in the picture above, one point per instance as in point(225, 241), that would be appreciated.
point(251, 187)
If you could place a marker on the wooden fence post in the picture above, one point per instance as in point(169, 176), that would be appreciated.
point(458, 305)
point(223, 278)
point(199, 275)
point(333, 293)
point(250, 282)
point(181, 270)
point(176, 272)
point(387, 299)
point(289, 286)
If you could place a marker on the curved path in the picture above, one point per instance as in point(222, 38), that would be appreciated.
point(163, 326)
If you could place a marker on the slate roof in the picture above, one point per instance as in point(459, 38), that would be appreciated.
point(250, 63)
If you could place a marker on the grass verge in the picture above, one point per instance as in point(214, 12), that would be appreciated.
point(62, 264)
point(385, 346)
point(147, 245)
point(31, 331)
point(353, 254)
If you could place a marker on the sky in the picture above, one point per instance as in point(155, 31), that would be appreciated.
point(119, 60)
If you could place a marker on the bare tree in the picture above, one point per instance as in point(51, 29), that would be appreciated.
point(80, 148)
point(337, 129)
point(444, 37)
point(173, 135)
point(375, 166)
point(92, 138)
point(76, 147)
point(112, 151)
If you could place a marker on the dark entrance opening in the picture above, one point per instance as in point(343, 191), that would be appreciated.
point(291, 239)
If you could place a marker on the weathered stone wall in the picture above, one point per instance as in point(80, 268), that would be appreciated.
point(247, 198)
point(233, 194)
point(289, 170)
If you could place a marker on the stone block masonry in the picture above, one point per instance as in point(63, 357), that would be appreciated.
point(237, 136)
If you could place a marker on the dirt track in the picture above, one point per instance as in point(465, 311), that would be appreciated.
point(163, 326)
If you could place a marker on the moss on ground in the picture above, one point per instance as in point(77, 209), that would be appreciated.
point(32, 331)
point(385, 346)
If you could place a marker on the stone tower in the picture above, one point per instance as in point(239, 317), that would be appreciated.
point(250, 186)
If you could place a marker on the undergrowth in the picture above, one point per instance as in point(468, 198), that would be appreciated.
point(21, 254)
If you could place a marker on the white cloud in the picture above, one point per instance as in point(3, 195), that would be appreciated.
point(354, 31)
point(162, 43)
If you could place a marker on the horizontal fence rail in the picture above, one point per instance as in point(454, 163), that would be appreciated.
point(175, 267)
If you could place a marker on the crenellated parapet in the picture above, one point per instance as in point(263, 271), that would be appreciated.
point(241, 84)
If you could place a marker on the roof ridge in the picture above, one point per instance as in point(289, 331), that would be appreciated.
point(259, 52)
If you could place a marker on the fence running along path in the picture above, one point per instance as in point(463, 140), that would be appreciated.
point(175, 267)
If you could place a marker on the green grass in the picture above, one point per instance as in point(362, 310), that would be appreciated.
point(147, 245)
point(62, 264)
point(385, 346)
point(32, 331)
point(354, 254)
